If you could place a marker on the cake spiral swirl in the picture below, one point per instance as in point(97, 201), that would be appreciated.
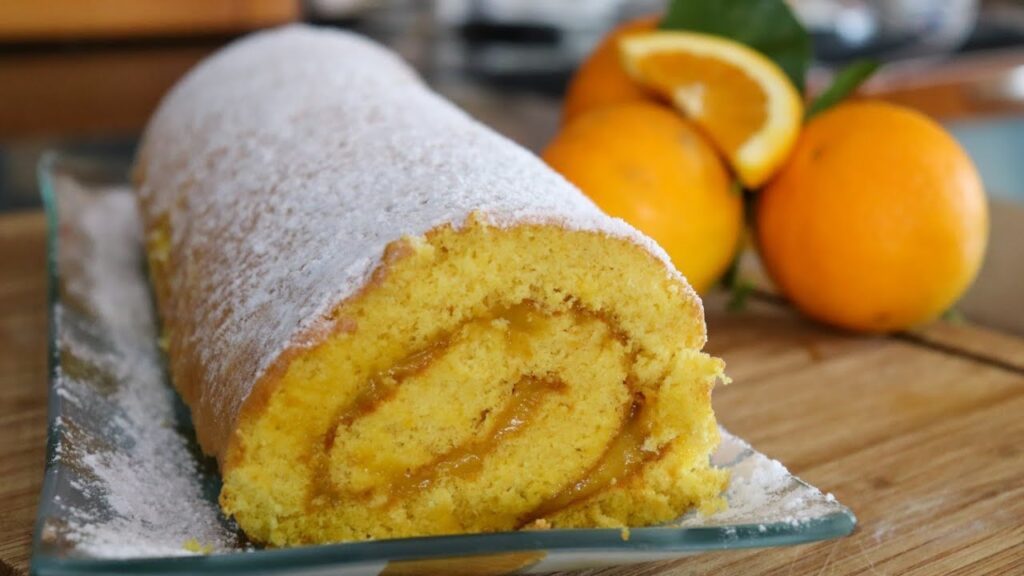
point(389, 321)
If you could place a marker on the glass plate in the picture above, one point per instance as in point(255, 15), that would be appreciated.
point(127, 490)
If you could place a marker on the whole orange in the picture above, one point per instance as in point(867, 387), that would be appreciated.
point(601, 79)
point(646, 164)
point(877, 222)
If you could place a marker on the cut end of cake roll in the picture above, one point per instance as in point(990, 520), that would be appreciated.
point(389, 321)
point(486, 378)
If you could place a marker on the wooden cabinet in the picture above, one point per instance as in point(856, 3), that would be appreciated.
point(44, 20)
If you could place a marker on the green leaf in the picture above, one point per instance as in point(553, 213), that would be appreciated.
point(767, 26)
point(739, 288)
point(740, 293)
point(954, 316)
point(732, 273)
point(845, 83)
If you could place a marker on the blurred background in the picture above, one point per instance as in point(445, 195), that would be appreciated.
point(84, 76)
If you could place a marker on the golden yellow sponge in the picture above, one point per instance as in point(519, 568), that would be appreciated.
point(389, 321)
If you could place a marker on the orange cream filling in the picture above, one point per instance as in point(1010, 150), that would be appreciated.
point(623, 457)
point(466, 461)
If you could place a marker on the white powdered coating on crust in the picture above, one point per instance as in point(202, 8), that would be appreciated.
point(288, 161)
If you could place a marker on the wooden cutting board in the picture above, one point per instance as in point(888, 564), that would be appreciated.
point(921, 434)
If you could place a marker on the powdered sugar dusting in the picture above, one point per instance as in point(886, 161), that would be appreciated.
point(285, 164)
point(142, 469)
point(762, 491)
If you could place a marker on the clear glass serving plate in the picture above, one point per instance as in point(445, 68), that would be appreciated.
point(127, 490)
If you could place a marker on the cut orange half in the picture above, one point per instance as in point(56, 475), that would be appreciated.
point(741, 99)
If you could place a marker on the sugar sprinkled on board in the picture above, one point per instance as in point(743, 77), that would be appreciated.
point(762, 491)
point(123, 449)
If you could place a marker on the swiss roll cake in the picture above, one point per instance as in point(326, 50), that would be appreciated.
point(387, 320)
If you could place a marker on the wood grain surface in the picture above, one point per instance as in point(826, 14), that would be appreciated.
point(921, 434)
point(22, 383)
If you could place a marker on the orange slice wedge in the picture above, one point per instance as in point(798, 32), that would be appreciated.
point(741, 99)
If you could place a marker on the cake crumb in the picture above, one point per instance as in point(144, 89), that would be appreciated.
point(193, 545)
point(538, 524)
